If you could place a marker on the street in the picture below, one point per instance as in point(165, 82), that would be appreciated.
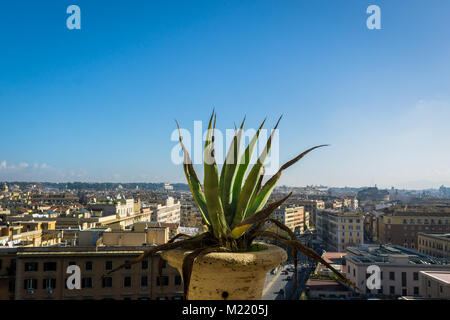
point(279, 286)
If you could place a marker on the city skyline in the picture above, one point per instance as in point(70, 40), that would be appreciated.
point(98, 104)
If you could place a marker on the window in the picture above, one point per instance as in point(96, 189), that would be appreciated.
point(108, 265)
point(31, 266)
point(0, 263)
point(144, 264)
point(391, 289)
point(50, 266)
point(12, 286)
point(164, 263)
point(107, 282)
point(88, 265)
point(416, 291)
point(127, 282)
point(144, 281)
point(177, 280)
point(49, 283)
point(381, 275)
point(404, 292)
point(86, 282)
point(403, 279)
point(163, 279)
point(127, 266)
point(391, 275)
point(415, 276)
point(30, 284)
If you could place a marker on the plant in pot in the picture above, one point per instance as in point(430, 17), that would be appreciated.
point(226, 261)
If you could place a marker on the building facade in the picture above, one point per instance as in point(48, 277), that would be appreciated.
point(294, 217)
point(311, 206)
point(338, 229)
point(435, 284)
point(166, 211)
point(434, 244)
point(41, 273)
point(401, 224)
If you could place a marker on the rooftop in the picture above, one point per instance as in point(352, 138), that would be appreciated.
point(417, 210)
point(437, 235)
point(441, 276)
point(390, 253)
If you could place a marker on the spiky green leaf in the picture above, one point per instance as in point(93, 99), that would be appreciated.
point(251, 182)
point(211, 185)
point(228, 174)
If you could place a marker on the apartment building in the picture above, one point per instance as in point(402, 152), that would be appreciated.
point(166, 210)
point(400, 268)
point(435, 284)
point(401, 224)
point(294, 217)
point(120, 208)
point(311, 206)
point(30, 233)
point(338, 229)
point(434, 244)
point(141, 234)
point(41, 273)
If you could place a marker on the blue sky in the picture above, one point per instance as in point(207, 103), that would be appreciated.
point(98, 104)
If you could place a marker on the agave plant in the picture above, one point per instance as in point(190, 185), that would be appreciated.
point(233, 204)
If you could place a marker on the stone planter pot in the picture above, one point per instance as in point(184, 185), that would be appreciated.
point(225, 275)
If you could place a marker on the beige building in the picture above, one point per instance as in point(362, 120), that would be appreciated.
point(166, 211)
point(435, 284)
point(399, 267)
point(401, 224)
point(434, 244)
point(311, 206)
point(140, 235)
point(294, 217)
point(30, 234)
point(338, 229)
point(41, 273)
